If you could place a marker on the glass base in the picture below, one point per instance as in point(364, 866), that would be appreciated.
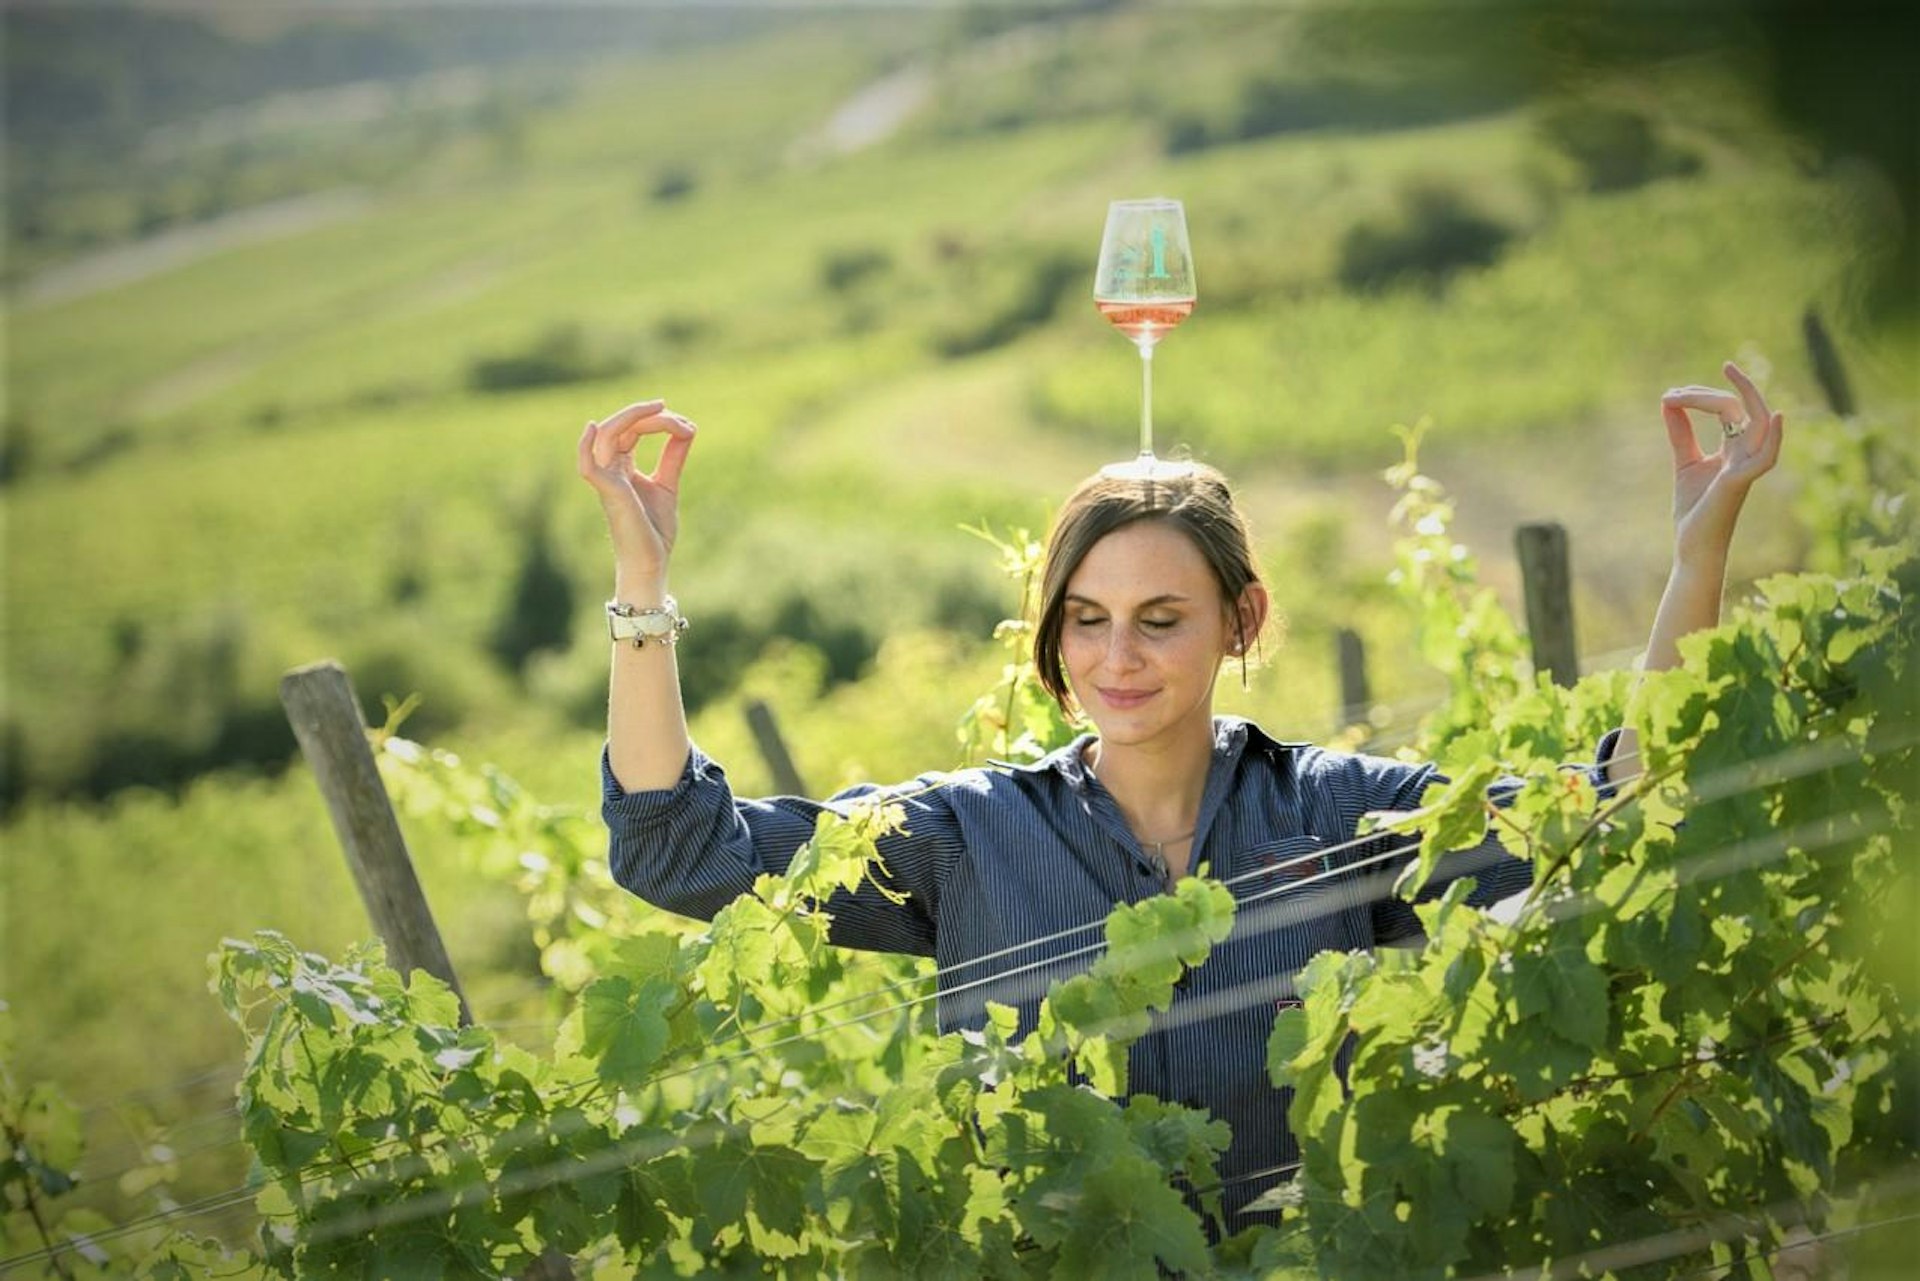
point(1148, 467)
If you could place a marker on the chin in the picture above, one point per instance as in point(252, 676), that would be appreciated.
point(1120, 729)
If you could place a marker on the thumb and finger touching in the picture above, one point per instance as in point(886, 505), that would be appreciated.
point(611, 434)
point(1686, 449)
point(639, 507)
point(612, 440)
point(1750, 449)
point(605, 480)
point(1711, 487)
point(673, 458)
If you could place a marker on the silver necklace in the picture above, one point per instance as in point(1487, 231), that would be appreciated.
point(1160, 863)
point(1160, 847)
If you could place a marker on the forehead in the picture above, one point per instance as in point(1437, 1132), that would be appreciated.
point(1140, 561)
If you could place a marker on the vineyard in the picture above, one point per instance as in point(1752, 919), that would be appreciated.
point(314, 302)
point(1686, 1051)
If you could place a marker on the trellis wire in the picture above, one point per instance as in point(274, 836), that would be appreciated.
point(625, 1154)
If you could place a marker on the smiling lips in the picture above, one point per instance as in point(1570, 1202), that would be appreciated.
point(1123, 699)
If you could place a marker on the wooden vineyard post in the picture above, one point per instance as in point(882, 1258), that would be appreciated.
point(1354, 697)
point(333, 736)
point(773, 749)
point(1548, 587)
point(1827, 369)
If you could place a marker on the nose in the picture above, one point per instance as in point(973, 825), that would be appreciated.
point(1123, 650)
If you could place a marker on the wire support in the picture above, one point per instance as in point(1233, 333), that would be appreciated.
point(78, 1242)
point(1189, 1010)
point(1087, 927)
point(1781, 767)
point(1748, 854)
point(1658, 1247)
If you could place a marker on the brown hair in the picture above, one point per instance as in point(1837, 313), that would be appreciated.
point(1199, 504)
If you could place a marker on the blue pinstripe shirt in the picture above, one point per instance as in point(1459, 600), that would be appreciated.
point(992, 858)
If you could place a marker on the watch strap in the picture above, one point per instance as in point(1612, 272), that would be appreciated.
point(661, 624)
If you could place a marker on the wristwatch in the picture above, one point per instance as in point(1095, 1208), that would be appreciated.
point(661, 625)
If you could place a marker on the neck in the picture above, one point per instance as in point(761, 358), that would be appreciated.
point(1158, 786)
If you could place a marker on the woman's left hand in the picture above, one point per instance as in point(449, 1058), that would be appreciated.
point(1708, 489)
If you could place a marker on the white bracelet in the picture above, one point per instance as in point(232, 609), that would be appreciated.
point(661, 624)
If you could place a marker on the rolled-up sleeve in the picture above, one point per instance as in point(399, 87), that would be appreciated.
point(1605, 781)
point(695, 847)
point(1498, 874)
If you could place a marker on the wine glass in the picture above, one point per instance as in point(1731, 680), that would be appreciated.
point(1144, 285)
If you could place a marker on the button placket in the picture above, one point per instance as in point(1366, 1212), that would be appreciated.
point(1099, 805)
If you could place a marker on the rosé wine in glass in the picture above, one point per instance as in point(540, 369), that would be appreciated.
point(1144, 285)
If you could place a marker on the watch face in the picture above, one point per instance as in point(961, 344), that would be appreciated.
point(653, 624)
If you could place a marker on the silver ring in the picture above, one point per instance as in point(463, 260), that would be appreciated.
point(1731, 429)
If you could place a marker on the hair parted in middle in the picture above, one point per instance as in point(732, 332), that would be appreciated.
point(1198, 503)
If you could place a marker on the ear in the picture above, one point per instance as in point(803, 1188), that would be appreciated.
point(1249, 616)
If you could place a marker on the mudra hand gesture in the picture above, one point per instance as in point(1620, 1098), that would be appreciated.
point(1708, 489)
point(643, 511)
point(1708, 492)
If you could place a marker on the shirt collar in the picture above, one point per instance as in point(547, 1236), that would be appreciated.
point(1232, 736)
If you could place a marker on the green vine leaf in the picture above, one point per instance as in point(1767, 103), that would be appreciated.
point(625, 1027)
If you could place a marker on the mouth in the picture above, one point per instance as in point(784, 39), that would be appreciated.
point(1122, 699)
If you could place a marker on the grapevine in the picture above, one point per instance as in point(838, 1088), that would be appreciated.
point(1677, 1037)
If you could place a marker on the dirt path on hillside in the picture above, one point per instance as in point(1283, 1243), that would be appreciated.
point(877, 111)
point(124, 264)
point(220, 369)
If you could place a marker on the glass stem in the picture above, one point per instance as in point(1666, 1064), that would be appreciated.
point(1146, 400)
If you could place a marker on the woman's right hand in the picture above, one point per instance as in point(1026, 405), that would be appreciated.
point(643, 511)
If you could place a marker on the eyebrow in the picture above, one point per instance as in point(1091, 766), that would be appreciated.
point(1168, 598)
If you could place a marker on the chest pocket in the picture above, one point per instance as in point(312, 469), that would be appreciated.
point(1289, 860)
point(1288, 886)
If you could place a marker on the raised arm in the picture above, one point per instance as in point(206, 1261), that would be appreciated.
point(647, 742)
point(1708, 492)
point(680, 838)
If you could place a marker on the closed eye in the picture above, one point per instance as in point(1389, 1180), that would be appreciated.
point(1152, 624)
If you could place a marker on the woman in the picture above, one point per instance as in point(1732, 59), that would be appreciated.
point(1149, 588)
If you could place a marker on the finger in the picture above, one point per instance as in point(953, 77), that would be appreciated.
point(1776, 427)
point(609, 429)
point(1709, 400)
point(1751, 400)
point(605, 443)
point(1686, 446)
point(1723, 405)
point(671, 423)
point(638, 409)
point(663, 420)
point(617, 441)
point(674, 457)
point(589, 465)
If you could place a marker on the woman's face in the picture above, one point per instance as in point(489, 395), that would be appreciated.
point(1143, 634)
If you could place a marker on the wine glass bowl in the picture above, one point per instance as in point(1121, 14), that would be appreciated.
point(1144, 286)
